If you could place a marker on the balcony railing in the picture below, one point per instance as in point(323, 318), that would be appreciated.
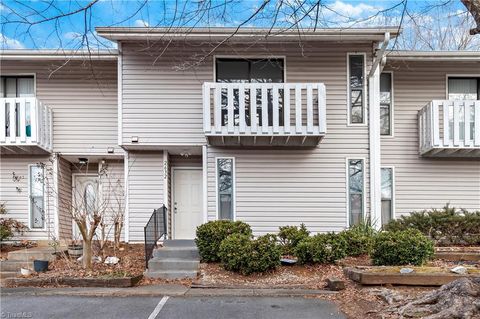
point(264, 113)
point(25, 122)
point(450, 128)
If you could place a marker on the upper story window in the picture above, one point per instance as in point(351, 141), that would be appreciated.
point(17, 86)
point(233, 70)
point(386, 104)
point(356, 88)
point(249, 70)
point(464, 88)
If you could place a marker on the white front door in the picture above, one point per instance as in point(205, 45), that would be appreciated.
point(187, 202)
point(85, 193)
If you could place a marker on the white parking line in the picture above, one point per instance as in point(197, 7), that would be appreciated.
point(159, 307)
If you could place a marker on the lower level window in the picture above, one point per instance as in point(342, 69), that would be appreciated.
point(387, 195)
point(36, 196)
point(355, 190)
point(225, 188)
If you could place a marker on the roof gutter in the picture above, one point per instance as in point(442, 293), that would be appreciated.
point(380, 58)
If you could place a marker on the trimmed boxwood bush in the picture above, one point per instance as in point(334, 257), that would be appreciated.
point(210, 235)
point(359, 239)
point(447, 226)
point(322, 249)
point(407, 247)
point(240, 253)
point(290, 236)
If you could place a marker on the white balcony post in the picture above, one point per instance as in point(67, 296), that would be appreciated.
point(298, 108)
point(435, 124)
point(218, 108)
point(241, 108)
point(253, 108)
point(207, 126)
point(22, 115)
point(446, 124)
point(456, 123)
point(230, 109)
point(34, 121)
point(322, 108)
point(309, 108)
point(13, 120)
point(264, 109)
point(467, 138)
point(286, 108)
point(275, 106)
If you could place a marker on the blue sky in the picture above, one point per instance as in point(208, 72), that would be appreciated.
point(73, 31)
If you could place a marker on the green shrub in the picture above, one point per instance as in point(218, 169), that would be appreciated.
point(407, 247)
point(447, 226)
point(240, 253)
point(290, 236)
point(210, 235)
point(359, 239)
point(322, 249)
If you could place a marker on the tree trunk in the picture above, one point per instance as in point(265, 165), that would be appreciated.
point(473, 6)
point(117, 234)
point(87, 254)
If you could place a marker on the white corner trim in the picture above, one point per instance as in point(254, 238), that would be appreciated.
point(234, 197)
point(205, 182)
point(56, 214)
point(126, 191)
point(374, 145)
point(120, 93)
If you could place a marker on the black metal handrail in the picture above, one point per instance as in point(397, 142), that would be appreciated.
point(155, 228)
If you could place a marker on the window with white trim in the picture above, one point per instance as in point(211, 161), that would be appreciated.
point(225, 188)
point(36, 192)
point(355, 190)
point(463, 88)
point(386, 103)
point(387, 194)
point(356, 86)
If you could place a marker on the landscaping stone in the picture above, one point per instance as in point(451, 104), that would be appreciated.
point(122, 282)
point(406, 270)
point(459, 270)
point(335, 284)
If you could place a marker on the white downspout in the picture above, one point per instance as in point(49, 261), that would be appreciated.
point(374, 135)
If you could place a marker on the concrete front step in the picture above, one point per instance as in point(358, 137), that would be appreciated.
point(188, 253)
point(172, 274)
point(179, 243)
point(32, 254)
point(15, 265)
point(157, 264)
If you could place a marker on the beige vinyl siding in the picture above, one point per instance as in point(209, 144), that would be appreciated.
point(64, 199)
point(277, 187)
point(15, 194)
point(145, 190)
point(162, 90)
point(83, 98)
point(423, 183)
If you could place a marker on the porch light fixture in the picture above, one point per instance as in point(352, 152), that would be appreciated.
point(110, 150)
point(82, 160)
point(134, 139)
point(185, 154)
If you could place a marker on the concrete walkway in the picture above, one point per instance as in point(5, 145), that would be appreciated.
point(159, 290)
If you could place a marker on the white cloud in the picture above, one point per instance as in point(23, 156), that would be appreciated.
point(141, 23)
point(352, 11)
point(9, 43)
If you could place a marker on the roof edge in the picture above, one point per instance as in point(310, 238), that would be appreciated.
point(408, 55)
point(55, 54)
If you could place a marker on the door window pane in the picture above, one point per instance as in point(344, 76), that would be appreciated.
point(355, 191)
point(36, 195)
point(387, 195)
point(385, 103)
point(356, 88)
point(225, 189)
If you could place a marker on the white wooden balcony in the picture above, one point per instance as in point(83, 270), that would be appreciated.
point(450, 129)
point(25, 126)
point(264, 114)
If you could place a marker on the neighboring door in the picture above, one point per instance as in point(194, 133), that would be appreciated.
point(187, 202)
point(85, 195)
